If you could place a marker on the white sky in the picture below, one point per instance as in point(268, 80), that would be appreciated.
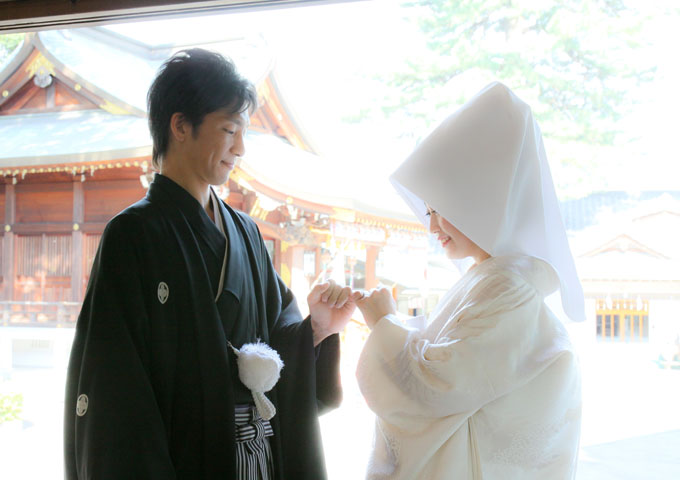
point(326, 55)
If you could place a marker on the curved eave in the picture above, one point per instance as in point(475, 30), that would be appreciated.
point(94, 58)
point(84, 135)
point(74, 159)
point(17, 57)
point(619, 266)
point(289, 175)
point(625, 244)
point(328, 204)
point(301, 138)
point(114, 102)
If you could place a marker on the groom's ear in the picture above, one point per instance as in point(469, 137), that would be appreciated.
point(180, 127)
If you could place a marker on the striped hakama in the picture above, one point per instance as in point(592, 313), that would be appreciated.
point(254, 459)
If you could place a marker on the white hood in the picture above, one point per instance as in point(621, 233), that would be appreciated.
point(484, 169)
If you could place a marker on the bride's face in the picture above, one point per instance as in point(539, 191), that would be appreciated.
point(453, 241)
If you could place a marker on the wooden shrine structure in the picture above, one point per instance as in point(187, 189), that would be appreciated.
point(76, 150)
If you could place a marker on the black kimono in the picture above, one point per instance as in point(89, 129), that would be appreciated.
point(151, 383)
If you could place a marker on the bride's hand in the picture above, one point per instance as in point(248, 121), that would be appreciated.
point(376, 304)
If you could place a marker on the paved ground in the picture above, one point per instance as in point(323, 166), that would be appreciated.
point(631, 421)
point(653, 457)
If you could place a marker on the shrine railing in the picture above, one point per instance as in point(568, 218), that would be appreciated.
point(39, 314)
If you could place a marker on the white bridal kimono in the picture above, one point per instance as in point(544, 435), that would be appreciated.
point(489, 388)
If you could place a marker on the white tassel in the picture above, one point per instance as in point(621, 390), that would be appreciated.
point(259, 368)
point(264, 406)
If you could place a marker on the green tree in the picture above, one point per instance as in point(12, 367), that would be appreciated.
point(574, 61)
point(10, 406)
point(8, 43)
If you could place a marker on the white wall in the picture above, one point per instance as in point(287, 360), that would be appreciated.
point(34, 347)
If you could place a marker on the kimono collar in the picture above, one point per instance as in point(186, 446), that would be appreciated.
point(191, 208)
point(237, 253)
point(199, 220)
point(485, 170)
point(534, 271)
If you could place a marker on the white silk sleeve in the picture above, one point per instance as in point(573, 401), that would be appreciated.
point(473, 360)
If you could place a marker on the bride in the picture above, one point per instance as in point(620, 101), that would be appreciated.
point(490, 386)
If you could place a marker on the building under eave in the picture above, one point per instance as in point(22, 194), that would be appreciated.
point(627, 252)
point(76, 150)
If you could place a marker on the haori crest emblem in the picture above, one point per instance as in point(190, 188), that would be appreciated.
point(163, 292)
point(81, 405)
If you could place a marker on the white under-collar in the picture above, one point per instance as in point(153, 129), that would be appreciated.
point(219, 221)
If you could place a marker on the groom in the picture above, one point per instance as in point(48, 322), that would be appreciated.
point(153, 389)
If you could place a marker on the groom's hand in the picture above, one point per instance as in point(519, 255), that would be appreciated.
point(330, 307)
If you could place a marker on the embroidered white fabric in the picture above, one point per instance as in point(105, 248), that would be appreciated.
point(492, 353)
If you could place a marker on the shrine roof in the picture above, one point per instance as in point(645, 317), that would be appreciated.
point(304, 175)
point(95, 135)
point(124, 67)
point(614, 265)
point(587, 211)
point(630, 237)
point(83, 135)
point(109, 72)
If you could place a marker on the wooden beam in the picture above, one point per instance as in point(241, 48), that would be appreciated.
point(279, 116)
point(31, 15)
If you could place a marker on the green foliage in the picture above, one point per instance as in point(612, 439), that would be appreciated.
point(574, 61)
point(10, 406)
point(8, 43)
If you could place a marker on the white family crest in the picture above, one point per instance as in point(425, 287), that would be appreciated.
point(163, 292)
point(81, 405)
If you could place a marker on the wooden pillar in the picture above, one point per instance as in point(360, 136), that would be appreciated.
point(317, 262)
point(292, 265)
point(278, 251)
point(8, 244)
point(372, 252)
point(77, 242)
point(286, 260)
point(298, 281)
